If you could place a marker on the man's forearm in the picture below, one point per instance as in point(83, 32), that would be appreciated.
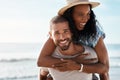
point(43, 77)
point(104, 76)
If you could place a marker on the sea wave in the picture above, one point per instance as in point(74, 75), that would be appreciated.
point(114, 61)
point(115, 64)
point(17, 60)
point(17, 77)
point(114, 57)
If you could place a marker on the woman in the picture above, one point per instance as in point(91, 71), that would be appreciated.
point(85, 31)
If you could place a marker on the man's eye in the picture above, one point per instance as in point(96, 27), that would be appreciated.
point(56, 33)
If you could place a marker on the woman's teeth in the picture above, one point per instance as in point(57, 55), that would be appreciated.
point(82, 24)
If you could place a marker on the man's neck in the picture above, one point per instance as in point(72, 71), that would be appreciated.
point(72, 50)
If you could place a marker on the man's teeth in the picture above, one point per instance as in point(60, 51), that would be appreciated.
point(63, 41)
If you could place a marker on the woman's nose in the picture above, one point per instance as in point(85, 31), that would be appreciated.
point(85, 18)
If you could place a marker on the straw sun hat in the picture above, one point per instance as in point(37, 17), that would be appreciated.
point(71, 3)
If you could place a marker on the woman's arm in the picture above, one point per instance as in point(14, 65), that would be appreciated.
point(45, 58)
point(103, 62)
point(103, 58)
point(103, 65)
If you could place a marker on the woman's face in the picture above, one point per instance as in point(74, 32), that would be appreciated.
point(81, 15)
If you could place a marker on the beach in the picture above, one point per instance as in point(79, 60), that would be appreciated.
point(19, 61)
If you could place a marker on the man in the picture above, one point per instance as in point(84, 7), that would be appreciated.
point(67, 69)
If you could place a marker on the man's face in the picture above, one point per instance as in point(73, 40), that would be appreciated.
point(61, 35)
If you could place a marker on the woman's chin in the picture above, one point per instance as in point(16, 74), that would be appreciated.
point(80, 28)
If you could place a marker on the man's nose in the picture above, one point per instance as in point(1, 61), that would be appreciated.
point(62, 36)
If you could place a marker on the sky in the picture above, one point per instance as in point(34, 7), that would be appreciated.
point(27, 21)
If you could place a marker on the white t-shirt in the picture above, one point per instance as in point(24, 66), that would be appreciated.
point(75, 74)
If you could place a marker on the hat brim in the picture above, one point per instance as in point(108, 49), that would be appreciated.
point(62, 10)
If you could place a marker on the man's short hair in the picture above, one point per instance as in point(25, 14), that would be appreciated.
point(57, 19)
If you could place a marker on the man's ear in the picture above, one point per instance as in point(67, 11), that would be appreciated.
point(50, 34)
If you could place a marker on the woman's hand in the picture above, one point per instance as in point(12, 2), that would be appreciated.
point(81, 59)
point(67, 65)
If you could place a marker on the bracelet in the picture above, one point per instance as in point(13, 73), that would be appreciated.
point(81, 69)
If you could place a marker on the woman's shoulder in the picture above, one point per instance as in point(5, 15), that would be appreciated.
point(100, 32)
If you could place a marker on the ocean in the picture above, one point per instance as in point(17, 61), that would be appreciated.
point(18, 61)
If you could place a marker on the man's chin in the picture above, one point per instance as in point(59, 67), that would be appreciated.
point(63, 48)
